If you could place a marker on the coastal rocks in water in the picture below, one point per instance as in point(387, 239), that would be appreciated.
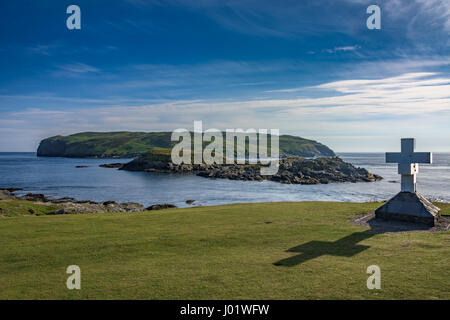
point(85, 202)
point(81, 207)
point(11, 190)
point(69, 205)
point(132, 207)
point(79, 167)
point(161, 206)
point(63, 200)
point(5, 195)
point(190, 201)
point(112, 165)
point(94, 207)
point(112, 206)
point(295, 170)
point(37, 197)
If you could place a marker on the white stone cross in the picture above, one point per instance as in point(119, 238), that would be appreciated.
point(408, 163)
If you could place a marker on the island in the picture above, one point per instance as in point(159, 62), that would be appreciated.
point(292, 170)
point(127, 144)
point(302, 161)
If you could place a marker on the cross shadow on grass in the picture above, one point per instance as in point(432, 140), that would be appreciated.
point(347, 246)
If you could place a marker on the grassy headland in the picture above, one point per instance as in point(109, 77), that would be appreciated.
point(131, 144)
point(17, 208)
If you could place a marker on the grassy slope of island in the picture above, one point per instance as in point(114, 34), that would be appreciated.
point(221, 252)
point(132, 144)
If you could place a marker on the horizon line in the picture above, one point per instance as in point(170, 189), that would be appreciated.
point(336, 152)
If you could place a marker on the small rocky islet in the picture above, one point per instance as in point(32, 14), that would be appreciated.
point(292, 170)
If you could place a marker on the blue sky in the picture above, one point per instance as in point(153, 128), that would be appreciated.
point(309, 68)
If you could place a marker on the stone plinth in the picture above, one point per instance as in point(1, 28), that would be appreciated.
point(411, 207)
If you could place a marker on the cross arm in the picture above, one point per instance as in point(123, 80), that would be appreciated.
point(393, 157)
point(422, 157)
point(402, 158)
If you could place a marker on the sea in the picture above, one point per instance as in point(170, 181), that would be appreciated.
point(59, 177)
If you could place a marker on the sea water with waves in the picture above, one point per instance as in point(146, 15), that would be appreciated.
point(59, 177)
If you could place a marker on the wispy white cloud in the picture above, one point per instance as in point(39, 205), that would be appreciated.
point(409, 17)
point(407, 104)
point(78, 68)
point(74, 70)
point(42, 49)
point(439, 9)
point(344, 49)
point(383, 69)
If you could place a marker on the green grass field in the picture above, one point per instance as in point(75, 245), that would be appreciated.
point(223, 252)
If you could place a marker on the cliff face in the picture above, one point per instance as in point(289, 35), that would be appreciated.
point(97, 145)
point(132, 144)
point(51, 148)
point(60, 147)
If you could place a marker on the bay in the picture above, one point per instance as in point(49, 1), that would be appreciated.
point(59, 177)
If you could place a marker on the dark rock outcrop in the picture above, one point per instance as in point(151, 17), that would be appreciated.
point(11, 189)
point(51, 148)
point(5, 195)
point(112, 165)
point(63, 200)
point(38, 197)
point(161, 206)
point(291, 170)
point(69, 205)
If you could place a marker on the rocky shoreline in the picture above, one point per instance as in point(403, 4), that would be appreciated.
point(69, 205)
point(295, 170)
